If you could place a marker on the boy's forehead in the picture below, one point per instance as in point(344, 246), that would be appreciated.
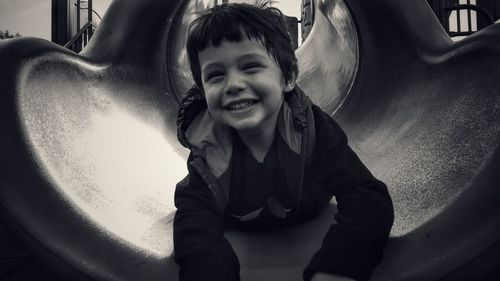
point(250, 42)
point(233, 50)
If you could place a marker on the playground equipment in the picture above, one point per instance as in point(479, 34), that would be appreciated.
point(90, 157)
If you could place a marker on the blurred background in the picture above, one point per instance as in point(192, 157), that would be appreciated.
point(59, 21)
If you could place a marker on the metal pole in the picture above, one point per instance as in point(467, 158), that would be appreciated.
point(78, 15)
point(446, 16)
point(61, 32)
point(89, 14)
point(89, 6)
point(469, 18)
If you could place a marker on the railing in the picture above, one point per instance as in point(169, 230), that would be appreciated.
point(464, 17)
point(464, 30)
point(81, 38)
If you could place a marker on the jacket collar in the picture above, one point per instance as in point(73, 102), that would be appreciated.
point(197, 131)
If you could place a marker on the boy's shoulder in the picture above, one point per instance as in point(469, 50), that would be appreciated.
point(326, 127)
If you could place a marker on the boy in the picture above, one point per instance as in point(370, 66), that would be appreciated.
point(262, 155)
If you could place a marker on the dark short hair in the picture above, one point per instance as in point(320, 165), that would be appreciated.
point(235, 22)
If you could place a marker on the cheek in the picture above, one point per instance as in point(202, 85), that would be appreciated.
point(275, 94)
point(213, 107)
point(212, 99)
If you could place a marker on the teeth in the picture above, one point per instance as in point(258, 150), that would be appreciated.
point(240, 105)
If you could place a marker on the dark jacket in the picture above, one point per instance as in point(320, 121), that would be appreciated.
point(320, 165)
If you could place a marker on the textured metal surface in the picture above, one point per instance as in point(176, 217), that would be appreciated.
point(91, 157)
point(108, 160)
point(329, 57)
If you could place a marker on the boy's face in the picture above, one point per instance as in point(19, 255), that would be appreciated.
point(244, 87)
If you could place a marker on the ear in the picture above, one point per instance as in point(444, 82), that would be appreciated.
point(288, 86)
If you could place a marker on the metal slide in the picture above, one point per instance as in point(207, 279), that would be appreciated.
point(90, 157)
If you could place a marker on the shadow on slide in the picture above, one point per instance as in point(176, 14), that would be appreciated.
point(90, 157)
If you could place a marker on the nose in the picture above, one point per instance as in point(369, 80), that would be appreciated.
point(235, 83)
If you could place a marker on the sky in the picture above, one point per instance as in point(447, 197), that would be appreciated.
point(28, 17)
point(33, 18)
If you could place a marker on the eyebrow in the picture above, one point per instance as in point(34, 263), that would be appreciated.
point(242, 57)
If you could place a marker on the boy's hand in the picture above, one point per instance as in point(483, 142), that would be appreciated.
point(320, 276)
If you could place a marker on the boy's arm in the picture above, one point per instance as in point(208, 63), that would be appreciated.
point(199, 244)
point(353, 246)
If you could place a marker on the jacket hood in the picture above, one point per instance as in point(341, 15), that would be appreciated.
point(197, 131)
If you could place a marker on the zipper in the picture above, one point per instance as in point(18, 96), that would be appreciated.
point(304, 139)
point(209, 179)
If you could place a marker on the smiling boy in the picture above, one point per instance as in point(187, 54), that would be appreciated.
point(262, 155)
point(244, 89)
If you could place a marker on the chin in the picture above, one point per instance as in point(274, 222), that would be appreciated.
point(244, 124)
point(244, 127)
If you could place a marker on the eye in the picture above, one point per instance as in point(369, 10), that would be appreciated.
point(252, 67)
point(214, 76)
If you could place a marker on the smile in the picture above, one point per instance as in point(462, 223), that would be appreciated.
point(240, 105)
